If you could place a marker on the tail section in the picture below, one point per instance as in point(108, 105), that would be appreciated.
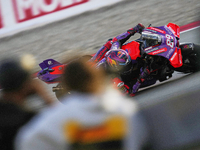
point(49, 63)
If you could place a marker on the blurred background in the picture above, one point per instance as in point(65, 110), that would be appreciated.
point(58, 29)
point(85, 32)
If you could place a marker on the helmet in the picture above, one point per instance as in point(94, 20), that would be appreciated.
point(118, 61)
point(150, 39)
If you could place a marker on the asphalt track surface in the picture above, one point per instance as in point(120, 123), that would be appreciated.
point(87, 32)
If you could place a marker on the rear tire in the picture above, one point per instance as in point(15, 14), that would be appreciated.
point(197, 49)
point(59, 92)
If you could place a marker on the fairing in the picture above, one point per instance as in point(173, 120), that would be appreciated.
point(51, 71)
point(168, 48)
point(133, 48)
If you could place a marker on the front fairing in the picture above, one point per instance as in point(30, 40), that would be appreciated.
point(168, 47)
point(163, 49)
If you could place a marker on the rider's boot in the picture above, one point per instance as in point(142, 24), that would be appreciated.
point(144, 74)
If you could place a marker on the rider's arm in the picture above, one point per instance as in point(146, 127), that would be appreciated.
point(116, 42)
point(101, 52)
point(122, 38)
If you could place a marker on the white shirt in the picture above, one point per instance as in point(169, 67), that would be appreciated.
point(84, 119)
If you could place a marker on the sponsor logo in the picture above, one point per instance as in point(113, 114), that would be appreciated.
point(156, 29)
point(174, 55)
point(112, 62)
point(119, 54)
point(172, 30)
point(168, 30)
point(159, 51)
point(29, 9)
point(50, 63)
point(154, 49)
point(169, 53)
point(146, 49)
point(180, 60)
point(151, 30)
point(120, 84)
point(101, 53)
point(186, 46)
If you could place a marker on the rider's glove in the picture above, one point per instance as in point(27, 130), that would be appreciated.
point(121, 86)
point(137, 29)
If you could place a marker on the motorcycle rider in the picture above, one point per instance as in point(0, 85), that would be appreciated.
point(122, 62)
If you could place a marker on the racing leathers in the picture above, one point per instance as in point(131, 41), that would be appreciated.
point(127, 82)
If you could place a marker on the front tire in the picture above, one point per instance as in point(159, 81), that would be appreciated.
point(191, 58)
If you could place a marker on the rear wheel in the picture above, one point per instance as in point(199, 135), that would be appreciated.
point(59, 91)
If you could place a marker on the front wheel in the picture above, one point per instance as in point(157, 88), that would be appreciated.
point(191, 58)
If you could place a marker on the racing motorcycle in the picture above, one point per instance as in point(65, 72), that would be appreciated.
point(158, 47)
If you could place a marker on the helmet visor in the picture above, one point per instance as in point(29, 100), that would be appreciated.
point(117, 59)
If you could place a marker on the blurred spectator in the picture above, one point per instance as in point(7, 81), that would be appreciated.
point(94, 116)
point(16, 85)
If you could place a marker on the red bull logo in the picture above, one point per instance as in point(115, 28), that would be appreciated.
point(111, 62)
point(119, 53)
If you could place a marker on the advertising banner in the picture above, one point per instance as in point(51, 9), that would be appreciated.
point(1, 25)
point(28, 9)
point(19, 15)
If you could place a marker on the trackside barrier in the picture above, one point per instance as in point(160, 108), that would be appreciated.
point(19, 15)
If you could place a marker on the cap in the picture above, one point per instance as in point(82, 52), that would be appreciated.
point(12, 75)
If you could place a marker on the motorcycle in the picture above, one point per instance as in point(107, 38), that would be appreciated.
point(158, 47)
